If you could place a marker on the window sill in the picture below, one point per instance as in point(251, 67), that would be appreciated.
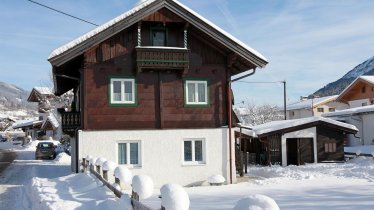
point(193, 164)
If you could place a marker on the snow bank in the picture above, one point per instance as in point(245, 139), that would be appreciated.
point(63, 158)
point(109, 166)
point(125, 202)
point(256, 202)
point(123, 174)
point(367, 149)
point(174, 197)
point(143, 185)
point(216, 179)
point(100, 161)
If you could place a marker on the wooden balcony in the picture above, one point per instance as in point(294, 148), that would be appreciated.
point(70, 121)
point(162, 58)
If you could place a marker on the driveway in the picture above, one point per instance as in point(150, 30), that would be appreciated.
point(6, 158)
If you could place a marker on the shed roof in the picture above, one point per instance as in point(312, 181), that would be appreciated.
point(351, 111)
point(76, 47)
point(281, 125)
point(26, 123)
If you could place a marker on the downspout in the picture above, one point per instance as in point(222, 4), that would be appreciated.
point(229, 101)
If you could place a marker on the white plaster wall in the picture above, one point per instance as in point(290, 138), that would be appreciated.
point(162, 152)
point(299, 113)
point(368, 129)
point(358, 103)
point(305, 133)
point(337, 105)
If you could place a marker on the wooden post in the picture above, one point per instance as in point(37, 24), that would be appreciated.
point(245, 156)
point(117, 181)
point(105, 175)
point(98, 169)
point(84, 164)
point(135, 196)
point(241, 173)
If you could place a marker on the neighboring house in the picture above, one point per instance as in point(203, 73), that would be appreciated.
point(152, 91)
point(50, 126)
point(362, 118)
point(359, 95)
point(314, 107)
point(295, 142)
point(31, 127)
point(5, 122)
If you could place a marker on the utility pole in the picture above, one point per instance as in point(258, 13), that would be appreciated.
point(284, 99)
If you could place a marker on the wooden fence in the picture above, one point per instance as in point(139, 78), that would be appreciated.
point(134, 202)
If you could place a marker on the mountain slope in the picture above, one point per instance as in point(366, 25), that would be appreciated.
point(335, 88)
point(13, 100)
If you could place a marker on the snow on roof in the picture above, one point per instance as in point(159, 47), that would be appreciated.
point(283, 124)
point(44, 90)
point(308, 103)
point(350, 111)
point(367, 78)
point(52, 119)
point(25, 123)
point(125, 15)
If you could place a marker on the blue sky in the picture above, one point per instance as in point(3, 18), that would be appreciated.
point(308, 43)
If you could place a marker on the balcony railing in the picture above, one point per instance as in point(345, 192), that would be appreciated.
point(162, 58)
point(70, 120)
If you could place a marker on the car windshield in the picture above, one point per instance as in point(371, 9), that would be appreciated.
point(46, 145)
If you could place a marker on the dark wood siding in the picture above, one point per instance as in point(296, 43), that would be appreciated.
point(330, 135)
point(160, 93)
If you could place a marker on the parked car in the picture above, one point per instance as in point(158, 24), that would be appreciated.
point(45, 150)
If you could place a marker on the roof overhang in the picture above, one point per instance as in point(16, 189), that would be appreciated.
point(69, 52)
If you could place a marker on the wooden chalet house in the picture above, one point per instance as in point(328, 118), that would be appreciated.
point(152, 91)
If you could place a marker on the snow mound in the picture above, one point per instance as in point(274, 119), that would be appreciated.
point(92, 160)
point(143, 185)
point(123, 174)
point(109, 166)
point(216, 179)
point(125, 202)
point(100, 161)
point(174, 197)
point(63, 158)
point(256, 202)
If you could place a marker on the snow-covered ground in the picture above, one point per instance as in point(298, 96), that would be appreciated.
point(314, 186)
point(367, 149)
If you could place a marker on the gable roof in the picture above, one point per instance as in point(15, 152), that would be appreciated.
point(76, 47)
point(309, 102)
point(292, 125)
point(36, 92)
point(367, 79)
point(51, 121)
point(351, 111)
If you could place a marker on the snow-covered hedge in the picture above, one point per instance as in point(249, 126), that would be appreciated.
point(216, 180)
point(123, 174)
point(109, 166)
point(256, 202)
point(143, 186)
point(174, 197)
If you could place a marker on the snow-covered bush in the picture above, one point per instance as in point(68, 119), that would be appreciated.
point(123, 174)
point(100, 161)
point(143, 186)
point(88, 157)
point(174, 197)
point(93, 161)
point(216, 180)
point(256, 202)
point(109, 166)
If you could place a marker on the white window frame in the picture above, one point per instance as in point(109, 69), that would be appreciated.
point(122, 80)
point(196, 82)
point(128, 153)
point(193, 161)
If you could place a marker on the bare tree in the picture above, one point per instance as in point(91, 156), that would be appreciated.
point(252, 114)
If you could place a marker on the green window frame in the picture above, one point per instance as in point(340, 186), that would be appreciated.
point(196, 92)
point(122, 91)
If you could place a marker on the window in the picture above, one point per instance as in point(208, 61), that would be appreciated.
point(129, 153)
point(122, 91)
point(320, 110)
point(364, 104)
point(330, 147)
point(196, 92)
point(331, 109)
point(194, 151)
point(292, 113)
point(363, 90)
point(159, 37)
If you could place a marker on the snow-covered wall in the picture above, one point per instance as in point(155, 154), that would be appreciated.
point(161, 152)
point(358, 103)
point(368, 129)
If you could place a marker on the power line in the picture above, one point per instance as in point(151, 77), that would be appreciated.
point(62, 12)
